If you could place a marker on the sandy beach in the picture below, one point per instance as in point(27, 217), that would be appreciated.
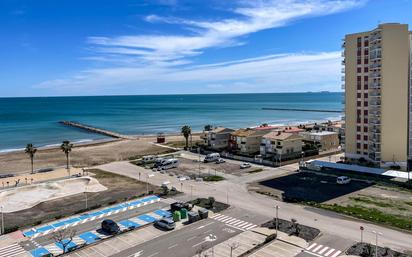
point(83, 155)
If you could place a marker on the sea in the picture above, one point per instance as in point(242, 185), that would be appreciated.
point(36, 119)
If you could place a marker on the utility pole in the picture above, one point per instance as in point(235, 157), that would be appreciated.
point(85, 194)
point(376, 241)
point(2, 220)
point(361, 233)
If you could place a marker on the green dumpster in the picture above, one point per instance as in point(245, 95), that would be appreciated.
point(183, 213)
point(176, 216)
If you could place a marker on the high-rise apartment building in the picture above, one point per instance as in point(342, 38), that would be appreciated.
point(377, 83)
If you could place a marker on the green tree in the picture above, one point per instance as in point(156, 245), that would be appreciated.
point(31, 150)
point(66, 147)
point(208, 127)
point(186, 131)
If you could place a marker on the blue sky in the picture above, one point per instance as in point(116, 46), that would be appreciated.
point(102, 47)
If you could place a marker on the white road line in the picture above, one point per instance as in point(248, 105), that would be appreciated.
point(153, 254)
point(242, 224)
point(336, 253)
point(317, 248)
point(323, 250)
point(172, 246)
point(330, 251)
point(191, 238)
point(250, 227)
point(232, 221)
point(237, 223)
point(311, 246)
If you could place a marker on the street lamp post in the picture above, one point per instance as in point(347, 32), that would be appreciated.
point(361, 233)
point(376, 241)
point(2, 220)
point(85, 194)
point(277, 219)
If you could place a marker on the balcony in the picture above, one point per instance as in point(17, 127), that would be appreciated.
point(376, 56)
point(375, 94)
point(343, 54)
point(375, 121)
point(375, 85)
point(375, 103)
point(343, 86)
point(343, 62)
point(376, 74)
point(343, 78)
point(343, 70)
point(375, 65)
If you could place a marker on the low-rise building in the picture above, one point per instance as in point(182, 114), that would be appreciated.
point(246, 141)
point(217, 138)
point(324, 140)
point(279, 143)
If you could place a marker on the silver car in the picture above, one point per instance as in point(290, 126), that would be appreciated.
point(165, 223)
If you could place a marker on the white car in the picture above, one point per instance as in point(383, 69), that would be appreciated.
point(220, 160)
point(342, 180)
point(245, 165)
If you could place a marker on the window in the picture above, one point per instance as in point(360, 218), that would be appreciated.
point(358, 103)
point(358, 137)
point(358, 145)
point(365, 78)
point(365, 95)
point(365, 120)
point(358, 95)
point(358, 128)
point(365, 86)
point(365, 103)
point(366, 69)
point(359, 78)
point(366, 52)
point(359, 86)
point(365, 129)
point(365, 146)
point(365, 112)
point(359, 70)
point(366, 61)
point(365, 137)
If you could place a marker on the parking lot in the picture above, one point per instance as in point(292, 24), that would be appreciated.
point(310, 187)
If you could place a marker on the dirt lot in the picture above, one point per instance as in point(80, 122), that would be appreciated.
point(120, 188)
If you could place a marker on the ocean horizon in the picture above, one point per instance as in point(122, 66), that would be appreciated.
point(35, 119)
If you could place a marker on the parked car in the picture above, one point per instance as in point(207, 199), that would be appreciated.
point(177, 206)
point(165, 223)
point(110, 227)
point(342, 180)
point(149, 158)
point(220, 160)
point(169, 164)
point(245, 165)
point(212, 157)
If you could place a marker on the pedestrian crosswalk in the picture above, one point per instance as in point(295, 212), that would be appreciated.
point(11, 250)
point(233, 222)
point(323, 250)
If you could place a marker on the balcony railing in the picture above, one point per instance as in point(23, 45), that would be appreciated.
point(375, 103)
point(376, 85)
point(376, 75)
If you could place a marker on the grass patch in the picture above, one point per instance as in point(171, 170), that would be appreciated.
point(370, 214)
point(371, 201)
point(255, 170)
point(213, 178)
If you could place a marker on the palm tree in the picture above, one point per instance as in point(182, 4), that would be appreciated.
point(186, 131)
point(31, 150)
point(67, 148)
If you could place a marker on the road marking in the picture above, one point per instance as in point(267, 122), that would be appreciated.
point(172, 246)
point(191, 238)
point(311, 246)
point(317, 248)
point(153, 254)
point(139, 253)
point(330, 251)
point(203, 226)
point(233, 222)
point(336, 254)
point(323, 250)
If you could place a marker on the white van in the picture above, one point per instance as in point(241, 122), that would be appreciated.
point(212, 157)
point(169, 164)
point(342, 180)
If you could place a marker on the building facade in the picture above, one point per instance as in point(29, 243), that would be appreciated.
point(217, 138)
point(324, 140)
point(280, 143)
point(377, 94)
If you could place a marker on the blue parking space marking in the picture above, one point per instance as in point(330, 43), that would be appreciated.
point(93, 214)
point(45, 228)
point(40, 252)
point(70, 246)
point(73, 220)
point(59, 224)
point(118, 207)
point(89, 237)
point(29, 233)
point(146, 218)
point(129, 224)
point(163, 213)
point(135, 202)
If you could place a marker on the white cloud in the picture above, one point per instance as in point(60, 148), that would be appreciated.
point(249, 17)
point(285, 72)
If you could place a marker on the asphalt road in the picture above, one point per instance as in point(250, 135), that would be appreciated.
point(235, 190)
point(95, 224)
point(188, 240)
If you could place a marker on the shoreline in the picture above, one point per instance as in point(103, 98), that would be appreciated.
point(101, 141)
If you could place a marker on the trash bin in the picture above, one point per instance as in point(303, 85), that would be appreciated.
point(176, 216)
point(183, 213)
point(193, 216)
point(203, 213)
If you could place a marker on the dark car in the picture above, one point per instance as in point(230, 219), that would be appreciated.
point(166, 224)
point(110, 227)
point(177, 206)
